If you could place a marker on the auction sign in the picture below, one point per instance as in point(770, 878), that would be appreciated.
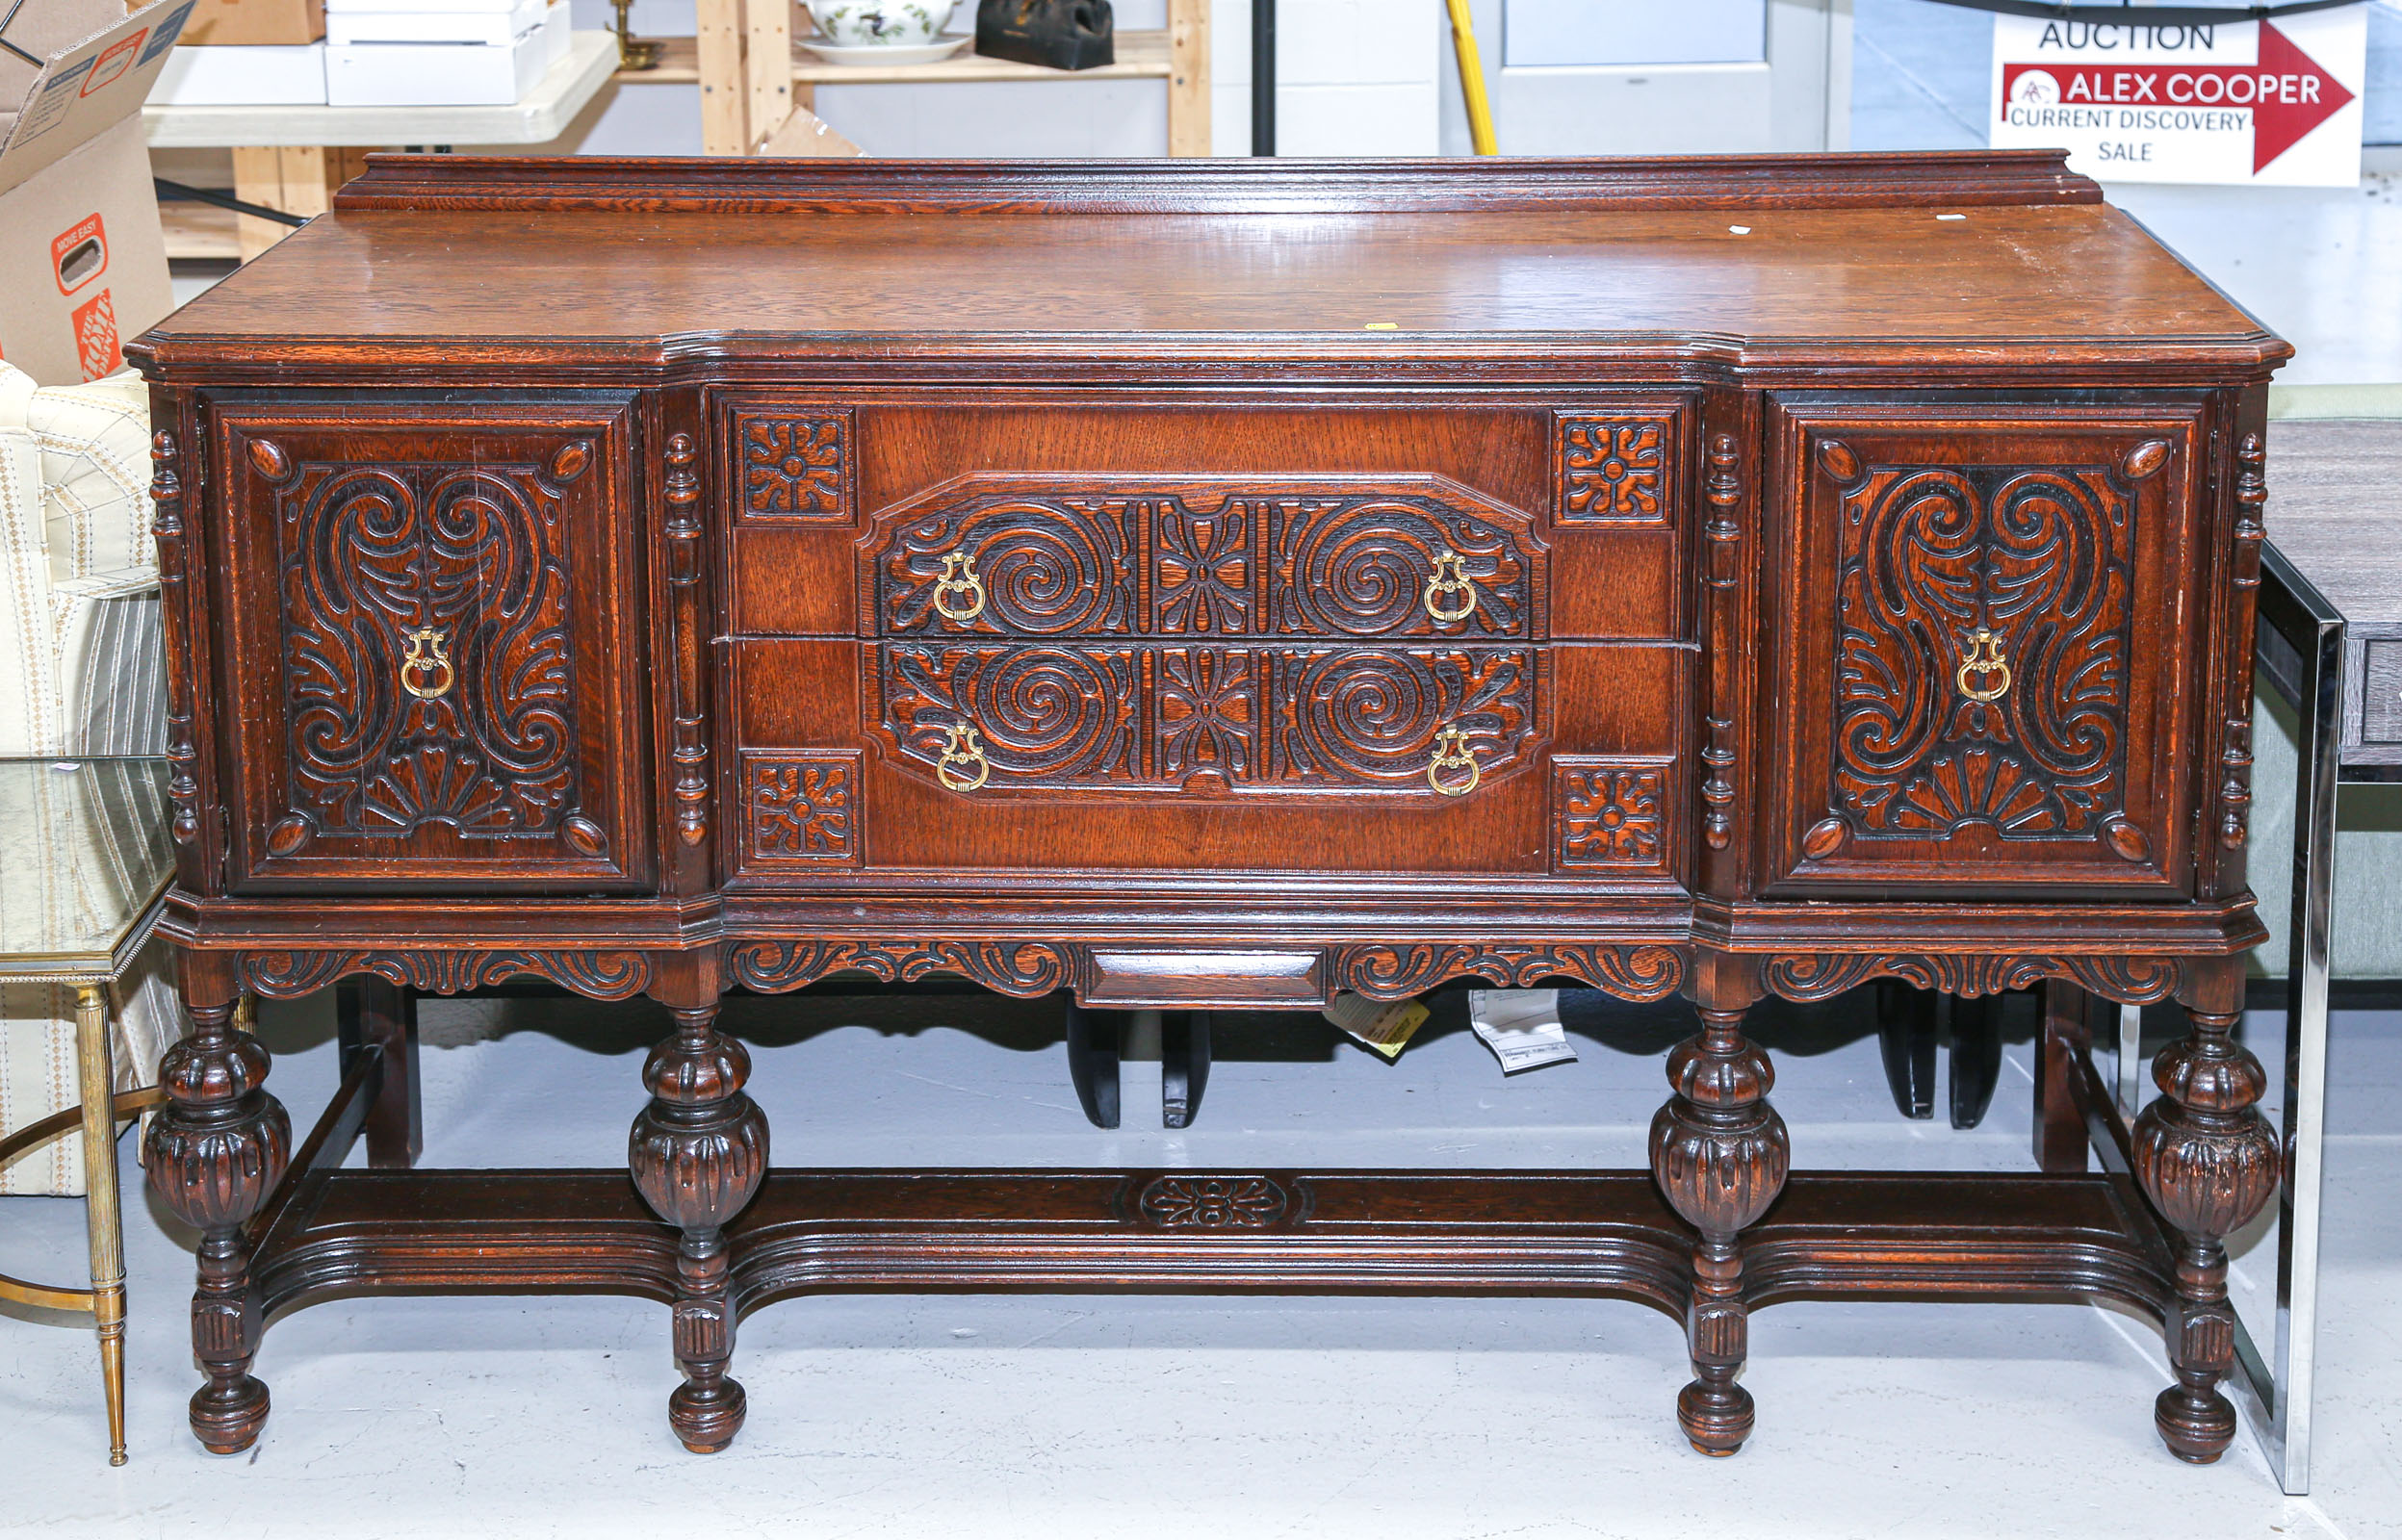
point(2271, 102)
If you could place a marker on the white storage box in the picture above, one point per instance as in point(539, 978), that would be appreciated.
point(556, 37)
point(243, 75)
point(497, 29)
point(402, 74)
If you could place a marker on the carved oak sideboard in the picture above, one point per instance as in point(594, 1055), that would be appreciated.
point(1204, 584)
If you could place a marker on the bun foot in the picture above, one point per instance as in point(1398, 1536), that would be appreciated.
point(1717, 1419)
point(226, 1419)
point(706, 1421)
point(2197, 1426)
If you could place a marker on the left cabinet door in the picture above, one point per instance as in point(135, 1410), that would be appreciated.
point(433, 635)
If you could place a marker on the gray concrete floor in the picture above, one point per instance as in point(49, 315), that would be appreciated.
point(1005, 1416)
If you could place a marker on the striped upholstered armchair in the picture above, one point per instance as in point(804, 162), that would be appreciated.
point(80, 673)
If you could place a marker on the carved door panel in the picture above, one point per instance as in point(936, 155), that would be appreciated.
point(430, 619)
point(1984, 677)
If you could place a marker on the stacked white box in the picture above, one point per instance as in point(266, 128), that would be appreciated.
point(243, 75)
point(438, 53)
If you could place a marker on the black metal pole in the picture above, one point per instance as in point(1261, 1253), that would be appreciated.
point(1263, 77)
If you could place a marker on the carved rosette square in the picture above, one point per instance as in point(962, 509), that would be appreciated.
point(800, 808)
point(1611, 813)
point(1615, 470)
point(794, 464)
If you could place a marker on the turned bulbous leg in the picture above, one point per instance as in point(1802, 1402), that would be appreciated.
point(2210, 1163)
point(1720, 1155)
point(214, 1153)
point(698, 1153)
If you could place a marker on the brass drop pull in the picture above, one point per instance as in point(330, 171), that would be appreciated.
point(1984, 661)
point(959, 593)
point(1449, 593)
point(425, 670)
point(961, 755)
point(1453, 754)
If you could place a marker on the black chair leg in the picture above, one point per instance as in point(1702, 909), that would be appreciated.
point(1092, 1062)
point(1183, 1065)
point(1977, 1029)
point(1905, 1031)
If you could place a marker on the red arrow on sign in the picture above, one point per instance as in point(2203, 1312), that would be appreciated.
point(2287, 94)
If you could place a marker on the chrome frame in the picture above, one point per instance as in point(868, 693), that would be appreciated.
point(2278, 1396)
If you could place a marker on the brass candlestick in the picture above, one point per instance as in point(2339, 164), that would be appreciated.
point(632, 52)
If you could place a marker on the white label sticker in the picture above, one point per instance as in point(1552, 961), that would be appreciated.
point(1521, 1026)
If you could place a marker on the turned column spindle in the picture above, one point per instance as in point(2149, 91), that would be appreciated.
point(698, 1152)
point(1720, 1153)
point(215, 1152)
point(2210, 1163)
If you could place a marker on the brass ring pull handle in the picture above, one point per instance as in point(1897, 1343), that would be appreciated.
point(425, 670)
point(1984, 661)
point(959, 583)
point(1449, 593)
point(961, 766)
point(1453, 754)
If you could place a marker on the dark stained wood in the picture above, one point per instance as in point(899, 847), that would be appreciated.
point(1208, 586)
point(375, 1016)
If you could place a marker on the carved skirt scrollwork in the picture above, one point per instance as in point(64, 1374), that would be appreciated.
point(1396, 972)
point(1021, 968)
point(1822, 975)
point(599, 975)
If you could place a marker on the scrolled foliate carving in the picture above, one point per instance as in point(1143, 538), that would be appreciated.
point(1822, 975)
point(1022, 968)
point(1610, 815)
point(1393, 972)
point(599, 975)
point(794, 465)
point(428, 667)
point(799, 807)
point(1211, 1203)
point(1982, 649)
point(1615, 468)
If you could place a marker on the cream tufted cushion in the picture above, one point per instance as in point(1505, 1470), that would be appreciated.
point(81, 672)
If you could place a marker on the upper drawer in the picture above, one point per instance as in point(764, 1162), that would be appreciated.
point(1562, 518)
point(1389, 557)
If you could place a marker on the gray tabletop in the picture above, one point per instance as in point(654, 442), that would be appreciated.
point(2335, 510)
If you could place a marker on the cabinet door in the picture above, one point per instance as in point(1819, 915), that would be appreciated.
point(1988, 629)
point(431, 651)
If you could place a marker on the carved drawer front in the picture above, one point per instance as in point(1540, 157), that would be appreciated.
point(434, 636)
point(1986, 652)
point(1267, 635)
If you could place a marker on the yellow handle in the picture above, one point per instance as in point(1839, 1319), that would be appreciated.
point(959, 748)
point(1452, 752)
point(1449, 593)
point(959, 580)
point(425, 660)
point(1983, 660)
point(1472, 79)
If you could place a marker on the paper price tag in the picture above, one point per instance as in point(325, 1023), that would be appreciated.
point(1383, 1025)
point(1521, 1026)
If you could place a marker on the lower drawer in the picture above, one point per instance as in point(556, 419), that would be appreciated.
point(862, 755)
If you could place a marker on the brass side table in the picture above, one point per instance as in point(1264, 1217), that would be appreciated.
point(84, 859)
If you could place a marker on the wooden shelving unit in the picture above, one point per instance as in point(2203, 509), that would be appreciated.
point(1141, 56)
point(752, 74)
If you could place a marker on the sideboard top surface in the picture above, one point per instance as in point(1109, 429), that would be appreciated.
point(966, 259)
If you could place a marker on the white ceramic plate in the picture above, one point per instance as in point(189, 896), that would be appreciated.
point(917, 53)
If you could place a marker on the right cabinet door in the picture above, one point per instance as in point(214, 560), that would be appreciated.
point(1986, 635)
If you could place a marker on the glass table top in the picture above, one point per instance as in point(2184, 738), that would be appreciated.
point(85, 853)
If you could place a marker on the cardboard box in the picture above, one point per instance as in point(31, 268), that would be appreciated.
point(267, 75)
point(491, 28)
point(238, 22)
point(83, 264)
point(398, 74)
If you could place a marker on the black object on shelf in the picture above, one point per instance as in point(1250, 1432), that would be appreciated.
point(1059, 34)
point(173, 190)
point(1263, 77)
